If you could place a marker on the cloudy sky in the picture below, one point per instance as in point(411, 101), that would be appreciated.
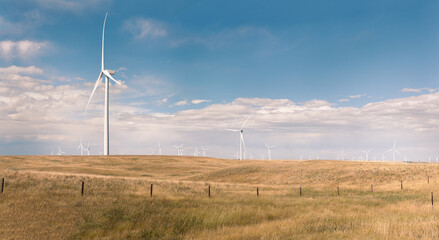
point(313, 75)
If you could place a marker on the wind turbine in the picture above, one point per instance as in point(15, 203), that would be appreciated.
point(107, 73)
point(160, 147)
point(179, 149)
point(88, 149)
point(60, 152)
point(196, 152)
point(393, 150)
point(81, 147)
point(242, 149)
point(366, 152)
point(204, 150)
point(269, 151)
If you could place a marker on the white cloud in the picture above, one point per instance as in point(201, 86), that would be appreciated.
point(344, 100)
point(23, 50)
point(181, 103)
point(164, 100)
point(356, 96)
point(142, 28)
point(417, 90)
point(198, 101)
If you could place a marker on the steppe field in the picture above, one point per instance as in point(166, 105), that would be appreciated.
point(42, 199)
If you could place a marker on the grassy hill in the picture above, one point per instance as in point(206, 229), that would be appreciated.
point(42, 199)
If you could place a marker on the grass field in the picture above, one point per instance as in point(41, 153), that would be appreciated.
point(42, 199)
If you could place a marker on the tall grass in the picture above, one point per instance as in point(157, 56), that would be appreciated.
point(42, 199)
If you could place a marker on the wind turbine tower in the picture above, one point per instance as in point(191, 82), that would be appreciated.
point(108, 76)
point(269, 150)
point(242, 149)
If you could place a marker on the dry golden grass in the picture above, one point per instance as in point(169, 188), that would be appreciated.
point(42, 199)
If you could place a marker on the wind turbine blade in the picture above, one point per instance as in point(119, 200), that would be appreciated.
point(233, 130)
point(267, 145)
point(245, 122)
point(103, 33)
point(93, 92)
point(110, 77)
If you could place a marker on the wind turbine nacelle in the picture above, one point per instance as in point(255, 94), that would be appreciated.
point(111, 72)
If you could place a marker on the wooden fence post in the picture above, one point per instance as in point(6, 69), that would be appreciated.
point(371, 187)
point(257, 191)
point(300, 190)
point(431, 199)
point(428, 179)
point(3, 184)
point(338, 190)
point(401, 185)
point(82, 188)
point(151, 190)
point(209, 190)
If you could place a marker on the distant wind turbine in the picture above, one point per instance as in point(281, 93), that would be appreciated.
point(394, 151)
point(60, 152)
point(107, 73)
point(81, 147)
point(160, 147)
point(242, 149)
point(179, 149)
point(196, 152)
point(204, 150)
point(88, 149)
point(269, 150)
point(366, 153)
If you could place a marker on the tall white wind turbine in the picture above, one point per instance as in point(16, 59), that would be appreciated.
point(269, 150)
point(107, 75)
point(88, 149)
point(160, 147)
point(179, 149)
point(242, 149)
point(81, 147)
point(204, 150)
point(196, 152)
point(366, 152)
point(393, 150)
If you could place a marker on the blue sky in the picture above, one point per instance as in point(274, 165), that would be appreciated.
point(181, 56)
